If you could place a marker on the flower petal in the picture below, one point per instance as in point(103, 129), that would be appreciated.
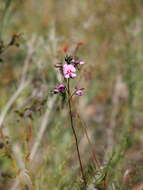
point(81, 62)
point(67, 76)
point(73, 75)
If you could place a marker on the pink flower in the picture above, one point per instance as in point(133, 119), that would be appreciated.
point(79, 92)
point(61, 87)
point(58, 89)
point(77, 62)
point(69, 71)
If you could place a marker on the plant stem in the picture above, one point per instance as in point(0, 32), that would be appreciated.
point(75, 136)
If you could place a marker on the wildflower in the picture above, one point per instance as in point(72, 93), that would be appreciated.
point(58, 89)
point(74, 61)
point(79, 92)
point(77, 62)
point(61, 87)
point(69, 71)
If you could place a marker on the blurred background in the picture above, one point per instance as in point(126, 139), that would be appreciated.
point(111, 32)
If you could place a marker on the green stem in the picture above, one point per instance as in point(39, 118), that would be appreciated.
point(74, 133)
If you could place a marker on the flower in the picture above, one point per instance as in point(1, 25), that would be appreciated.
point(61, 87)
point(69, 71)
point(58, 89)
point(73, 61)
point(77, 62)
point(79, 92)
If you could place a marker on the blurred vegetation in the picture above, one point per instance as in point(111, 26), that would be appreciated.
point(111, 107)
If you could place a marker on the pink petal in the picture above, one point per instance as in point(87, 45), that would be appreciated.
point(65, 68)
point(72, 68)
point(61, 87)
point(67, 76)
point(79, 93)
point(81, 62)
point(73, 75)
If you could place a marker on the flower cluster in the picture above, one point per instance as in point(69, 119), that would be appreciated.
point(68, 71)
point(69, 68)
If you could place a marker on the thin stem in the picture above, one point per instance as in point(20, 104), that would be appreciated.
point(74, 133)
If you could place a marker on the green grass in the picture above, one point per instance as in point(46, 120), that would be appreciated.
point(111, 107)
